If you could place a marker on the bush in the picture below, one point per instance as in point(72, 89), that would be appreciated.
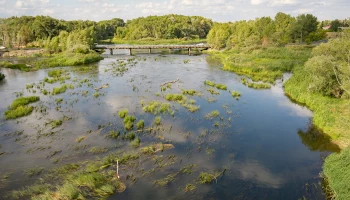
point(79, 48)
point(320, 69)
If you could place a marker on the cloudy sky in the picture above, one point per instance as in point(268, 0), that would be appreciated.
point(218, 10)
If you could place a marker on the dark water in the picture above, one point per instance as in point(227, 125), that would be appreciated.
point(264, 142)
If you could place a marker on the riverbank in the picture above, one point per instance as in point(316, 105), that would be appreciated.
point(330, 114)
point(55, 60)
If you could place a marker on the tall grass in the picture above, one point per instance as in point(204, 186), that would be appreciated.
point(20, 108)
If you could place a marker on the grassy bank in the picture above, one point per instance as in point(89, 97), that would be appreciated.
point(55, 60)
point(263, 64)
point(152, 41)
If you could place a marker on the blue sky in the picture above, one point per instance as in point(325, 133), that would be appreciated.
point(218, 10)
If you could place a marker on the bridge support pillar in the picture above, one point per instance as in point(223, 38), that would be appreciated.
point(189, 51)
point(150, 50)
point(111, 51)
point(130, 53)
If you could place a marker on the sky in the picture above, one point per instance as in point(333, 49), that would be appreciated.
point(217, 10)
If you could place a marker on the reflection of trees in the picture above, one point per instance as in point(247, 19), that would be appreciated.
point(316, 140)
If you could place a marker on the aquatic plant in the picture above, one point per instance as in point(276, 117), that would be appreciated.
point(189, 187)
point(114, 134)
point(212, 91)
point(123, 113)
point(140, 124)
point(55, 73)
point(20, 108)
point(206, 178)
point(96, 150)
point(135, 143)
point(158, 120)
point(210, 83)
point(165, 181)
point(221, 86)
point(212, 114)
point(61, 89)
point(175, 97)
point(235, 94)
point(255, 85)
point(190, 92)
point(129, 136)
point(156, 107)
point(129, 122)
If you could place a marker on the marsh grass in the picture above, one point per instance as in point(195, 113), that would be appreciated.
point(189, 187)
point(156, 107)
point(217, 85)
point(135, 143)
point(212, 91)
point(129, 122)
point(235, 94)
point(20, 108)
point(61, 89)
point(190, 92)
point(114, 134)
point(97, 150)
point(212, 114)
point(140, 124)
point(123, 113)
point(221, 86)
point(165, 181)
point(8, 64)
point(158, 121)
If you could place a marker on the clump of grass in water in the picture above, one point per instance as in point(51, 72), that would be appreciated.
point(59, 100)
point(221, 86)
point(210, 83)
point(62, 89)
point(165, 181)
point(190, 187)
point(129, 122)
point(96, 150)
point(20, 108)
point(255, 85)
point(80, 139)
point(123, 113)
point(129, 136)
point(175, 97)
point(235, 94)
point(158, 120)
point(135, 143)
point(140, 124)
point(55, 73)
point(212, 114)
point(156, 107)
point(212, 91)
point(114, 134)
point(55, 123)
point(190, 92)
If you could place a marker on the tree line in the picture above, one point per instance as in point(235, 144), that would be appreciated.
point(283, 29)
point(19, 31)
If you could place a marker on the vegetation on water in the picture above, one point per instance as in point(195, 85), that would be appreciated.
point(129, 122)
point(255, 85)
point(8, 64)
point(140, 124)
point(217, 85)
point(156, 107)
point(190, 92)
point(158, 120)
point(235, 94)
point(123, 113)
point(61, 89)
point(20, 108)
point(212, 114)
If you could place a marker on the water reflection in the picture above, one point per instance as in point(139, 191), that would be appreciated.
point(316, 140)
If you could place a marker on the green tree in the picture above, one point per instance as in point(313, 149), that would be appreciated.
point(218, 35)
point(284, 28)
point(305, 24)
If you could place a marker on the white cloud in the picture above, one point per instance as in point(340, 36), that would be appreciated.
point(257, 2)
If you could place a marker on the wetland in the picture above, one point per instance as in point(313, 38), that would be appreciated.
point(159, 126)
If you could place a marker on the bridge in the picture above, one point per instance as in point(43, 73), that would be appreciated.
point(150, 47)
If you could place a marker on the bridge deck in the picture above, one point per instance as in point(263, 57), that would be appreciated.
point(154, 47)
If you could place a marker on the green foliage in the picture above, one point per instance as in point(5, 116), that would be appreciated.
point(8, 64)
point(129, 122)
point(55, 73)
point(135, 143)
point(158, 120)
point(61, 89)
point(123, 113)
point(218, 35)
point(175, 97)
point(156, 107)
point(206, 178)
point(337, 172)
point(210, 83)
point(217, 85)
point(212, 114)
point(22, 101)
point(140, 124)
point(221, 86)
point(20, 111)
point(190, 92)
point(235, 94)
point(165, 27)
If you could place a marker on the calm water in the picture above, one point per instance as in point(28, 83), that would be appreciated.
point(265, 142)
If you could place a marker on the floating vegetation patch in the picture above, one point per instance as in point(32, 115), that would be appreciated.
point(182, 100)
point(165, 181)
point(140, 124)
point(212, 91)
point(62, 89)
point(156, 107)
point(135, 143)
point(189, 187)
point(212, 114)
point(217, 85)
point(236, 94)
point(20, 108)
point(190, 92)
point(158, 120)
point(255, 85)
point(129, 122)
point(123, 113)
